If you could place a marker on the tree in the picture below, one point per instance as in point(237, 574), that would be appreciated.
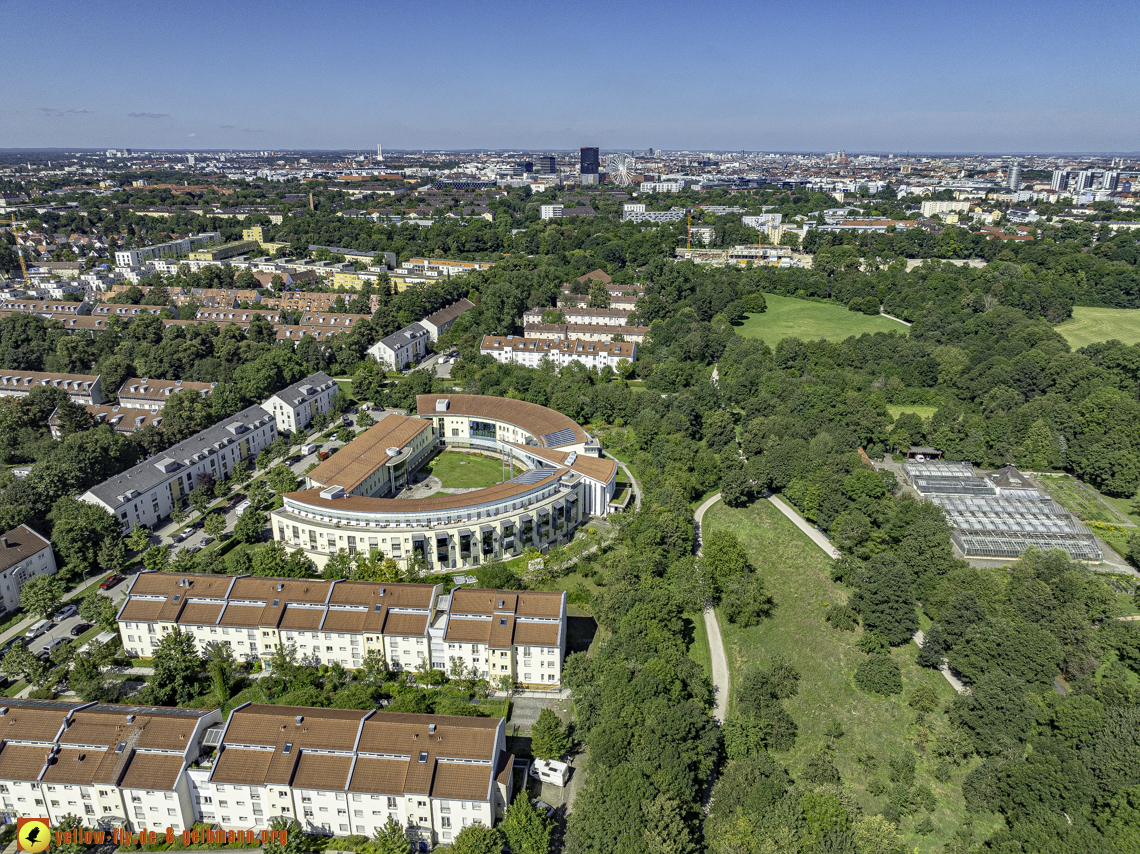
point(282, 479)
point(99, 610)
point(884, 598)
point(293, 834)
point(391, 839)
point(156, 558)
point(177, 670)
point(41, 595)
point(201, 498)
point(996, 713)
point(599, 296)
point(112, 554)
point(215, 525)
point(20, 663)
point(665, 830)
point(86, 679)
point(879, 674)
point(477, 839)
point(259, 495)
point(744, 600)
point(526, 829)
point(723, 556)
point(548, 739)
point(873, 834)
point(138, 539)
point(249, 526)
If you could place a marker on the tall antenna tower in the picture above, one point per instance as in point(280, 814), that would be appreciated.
point(379, 153)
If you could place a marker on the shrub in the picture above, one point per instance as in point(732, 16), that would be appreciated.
point(842, 617)
point(879, 674)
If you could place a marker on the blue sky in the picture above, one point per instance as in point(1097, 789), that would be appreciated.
point(791, 76)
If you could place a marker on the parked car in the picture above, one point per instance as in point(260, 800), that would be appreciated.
point(52, 644)
point(324, 455)
point(37, 630)
point(193, 549)
point(542, 806)
point(65, 612)
point(181, 535)
point(16, 641)
point(110, 581)
point(207, 540)
point(79, 629)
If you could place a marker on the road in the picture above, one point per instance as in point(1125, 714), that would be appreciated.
point(712, 628)
point(165, 534)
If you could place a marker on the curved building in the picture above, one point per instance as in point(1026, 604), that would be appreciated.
point(354, 503)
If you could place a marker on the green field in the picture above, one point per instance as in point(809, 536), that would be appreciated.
point(1081, 500)
point(923, 412)
point(467, 471)
point(788, 317)
point(1089, 325)
point(796, 574)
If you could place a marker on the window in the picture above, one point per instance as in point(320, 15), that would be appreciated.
point(391, 803)
point(445, 821)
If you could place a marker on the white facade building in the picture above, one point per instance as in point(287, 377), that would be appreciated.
point(550, 211)
point(532, 351)
point(24, 554)
point(294, 408)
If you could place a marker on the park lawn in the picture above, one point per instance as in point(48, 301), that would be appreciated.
point(796, 574)
point(788, 317)
point(467, 471)
point(923, 412)
point(1089, 325)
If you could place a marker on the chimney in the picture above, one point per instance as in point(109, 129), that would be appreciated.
point(4, 540)
point(299, 719)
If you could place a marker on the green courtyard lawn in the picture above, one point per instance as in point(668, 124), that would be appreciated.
point(788, 317)
point(457, 470)
point(1089, 325)
point(795, 572)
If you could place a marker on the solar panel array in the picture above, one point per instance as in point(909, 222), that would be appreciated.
point(565, 436)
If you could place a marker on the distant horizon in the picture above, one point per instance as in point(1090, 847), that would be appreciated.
point(523, 150)
point(874, 76)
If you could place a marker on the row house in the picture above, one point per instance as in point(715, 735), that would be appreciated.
point(481, 633)
point(110, 765)
point(584, 316)
point(121, 419)
point(83, 389)
point(146, 393)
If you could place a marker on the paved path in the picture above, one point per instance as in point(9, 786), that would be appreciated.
point(632, 480)
point(712, 628)
point(944, 668)
point(816, 536)
point(892, 317)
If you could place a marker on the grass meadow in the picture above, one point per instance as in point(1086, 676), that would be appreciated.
point(788, 317)
point(796, 574)
point(1089, 325)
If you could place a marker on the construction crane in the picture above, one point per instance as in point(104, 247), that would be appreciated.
point(19, 250)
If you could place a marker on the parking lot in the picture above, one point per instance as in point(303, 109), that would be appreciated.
point(62, 628)
point(196, 538)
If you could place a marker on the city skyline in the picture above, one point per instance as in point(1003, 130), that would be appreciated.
point(861, 76)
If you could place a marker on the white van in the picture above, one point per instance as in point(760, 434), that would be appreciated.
point(549, 771)
point(52, 644)
point(38, 629)
point(241, 508)
point(308, 448)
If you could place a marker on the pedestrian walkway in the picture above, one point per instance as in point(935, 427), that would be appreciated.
point(800, 522)
point(720, 678)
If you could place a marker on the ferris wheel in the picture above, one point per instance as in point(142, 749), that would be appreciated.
point(618, 167)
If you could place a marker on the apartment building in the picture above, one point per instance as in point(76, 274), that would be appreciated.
point(149, 491)
point(172, 249)
point(582, 316)
point(379, 460)
point(44, 308)
point(121, 419)
point(439, 322)
point(144, 393)
point(83, 389)
point(402, 348)
point(110, 765)
point(487, 634)
point(24, 554)
point(295, 407)
point(584, 332)
point(532, 351)
point(344, 771)
point(337, 771)
point(226, 250)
